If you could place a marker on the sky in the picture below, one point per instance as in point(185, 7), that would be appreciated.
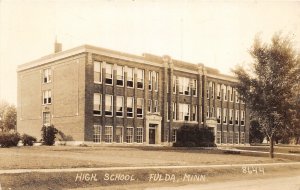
point(218, 34)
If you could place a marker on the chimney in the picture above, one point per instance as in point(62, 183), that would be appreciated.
point(57, 47)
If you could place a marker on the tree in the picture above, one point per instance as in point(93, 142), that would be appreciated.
point(256, 135)
point(268, 88)
point(48, 135)
point(8, 116)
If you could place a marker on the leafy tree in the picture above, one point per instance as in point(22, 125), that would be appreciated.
point(48, 135)
point(8, 116)
point(256, 135)
point(268, 87)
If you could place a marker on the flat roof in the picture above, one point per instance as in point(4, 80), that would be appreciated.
point(144, 58)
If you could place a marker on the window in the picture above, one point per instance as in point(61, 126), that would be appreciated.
point(212, 90)
point(236, 138)
point(97, 104)
point(242, 137)
point(212, 112)
point(120, 106)
point(140, 79)
point(47, 75)
point(242, 100)
point(108, 105)
point(109, 74)
point(230, 116)
point(139, 135)
point(120, 75)
point(97, 133)
point(208, 89)
point(218, 137)
point(218, 91)
point(230, 94)
point(174, 111)
point(237, 98)
point(150, 80)
point(230, 137)
point(225, 116)
point(207, 112)
point(155, 106)
point(108, 134)
point(224, 137)
point(183, 84)
point(243, 118)
point(237, 116)
point(150, 106)
point(184, 112)
point(47, 97)
point(174, 135)
point(130, 106)
point(194, 87)
point(130, 77)
point(224, 88)
point(207, 93)
point(119, 134)
point(97, 72)
point(129, 135)
point(194, 113)
point(139, 107)
point(155, 82)
point(219, 115)
point(167, 108)
point(174, 84)
point(46, 118)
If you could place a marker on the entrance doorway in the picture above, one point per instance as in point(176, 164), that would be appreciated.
point(152, 133)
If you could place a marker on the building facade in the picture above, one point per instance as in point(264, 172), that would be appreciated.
point(104, 96)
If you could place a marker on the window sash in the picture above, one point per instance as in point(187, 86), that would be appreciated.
point(97, 72)
point(129, 135)
point(130, 106)
point(97, 104)
point(120, 106)
point(97, 133)
point(139, 135)
point(140, 79)
point(108, 134)
point(140, 108)
point(108, 105)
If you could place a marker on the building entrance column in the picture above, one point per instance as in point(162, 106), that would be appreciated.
point(153, 129)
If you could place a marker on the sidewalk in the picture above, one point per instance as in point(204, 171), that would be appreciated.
point(256, 151)
point(18, 171)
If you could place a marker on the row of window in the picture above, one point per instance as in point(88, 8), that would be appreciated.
point(97, 108)
point(184, 86)
point(228, 92)
point(109, 76)
point(225, 116)
point(187, 112)
point(230, 137)
point(109, 137)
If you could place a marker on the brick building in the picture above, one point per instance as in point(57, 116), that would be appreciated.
point(105, 96)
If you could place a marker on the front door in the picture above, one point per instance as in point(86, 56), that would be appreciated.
point(151, 135)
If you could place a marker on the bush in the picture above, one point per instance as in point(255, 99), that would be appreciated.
point(9, 139)
point(193, 136)
point(28, 140)
point(48, 135)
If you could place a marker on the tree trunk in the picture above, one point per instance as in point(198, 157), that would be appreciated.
point(272, 147)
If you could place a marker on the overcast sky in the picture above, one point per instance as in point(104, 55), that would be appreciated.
point(215, 33)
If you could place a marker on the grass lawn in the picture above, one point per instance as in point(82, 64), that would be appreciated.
point(110, 156)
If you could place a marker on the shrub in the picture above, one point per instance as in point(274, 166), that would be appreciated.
point(193, 136)
point(28, 140)
point(48, 135)
point(9, 139)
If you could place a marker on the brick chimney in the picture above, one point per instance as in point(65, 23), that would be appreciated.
point(57, 47)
